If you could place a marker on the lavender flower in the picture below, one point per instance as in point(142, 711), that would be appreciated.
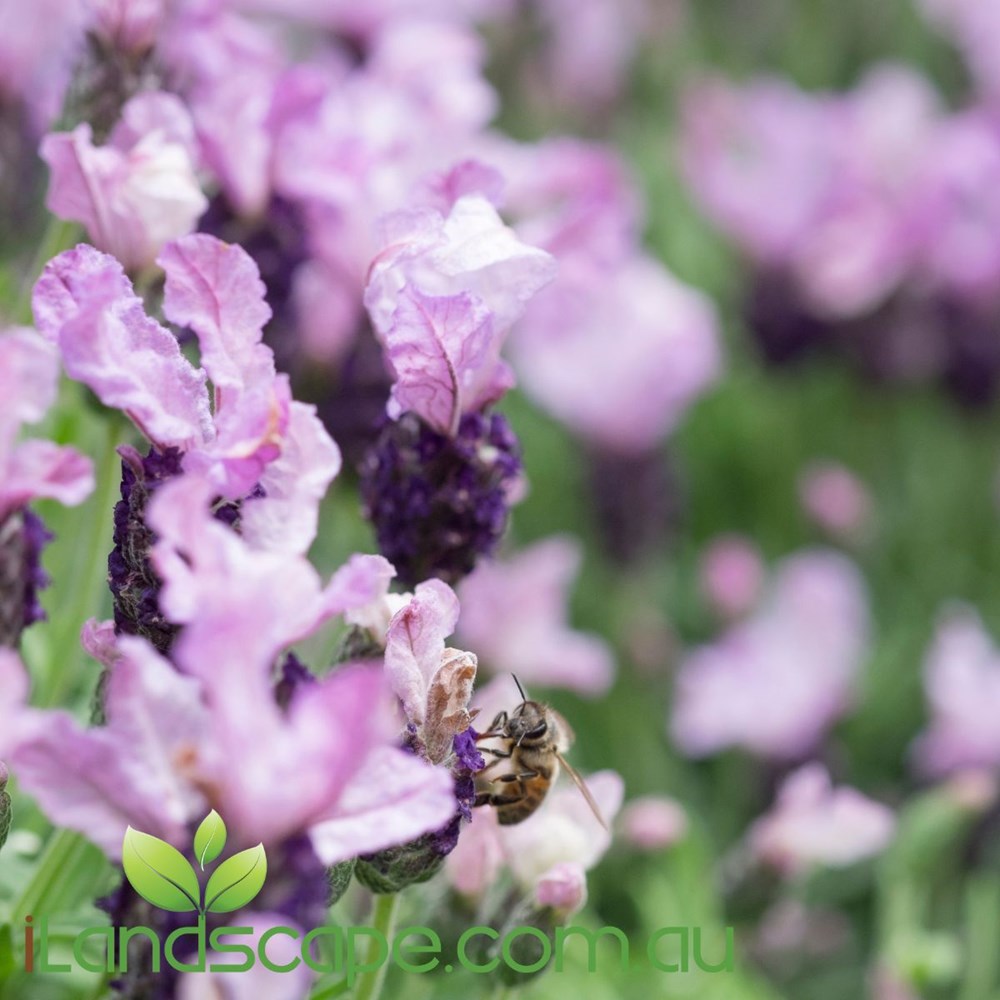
point(268, 458)
point(775, 682)
point(138, 191)
point(814, 824)
point(442, 295)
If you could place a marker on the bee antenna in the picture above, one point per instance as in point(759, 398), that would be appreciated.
point(524, 696)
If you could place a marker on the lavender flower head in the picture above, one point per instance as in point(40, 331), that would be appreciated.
point(442, 294)
point(247, 437)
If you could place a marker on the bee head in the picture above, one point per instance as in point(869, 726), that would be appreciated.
point(528, 723)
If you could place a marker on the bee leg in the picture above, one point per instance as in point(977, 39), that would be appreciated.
point(517, 777)
point(496, 727)
point(495, 753)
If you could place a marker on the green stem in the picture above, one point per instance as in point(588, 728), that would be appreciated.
point(70, 871)
point(59, 235)
point(83, 578)
point(383, 921)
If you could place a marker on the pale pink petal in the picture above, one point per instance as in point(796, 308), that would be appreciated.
point(473, 866)
point(394, 798)
point(835, 498)
point(110, 344)
point(155, 111)
point(250, 426)
point(624, 392)
point(87, 780)
point(294, 768)
point(29, 378)
point(444, 352)
point(215, 289)
point(134, 194)
point(38, 469)
point(415, 644)
point(294, 484)
point(225, 592)
point(360, 583)
point(470, 251)
point(70, 279)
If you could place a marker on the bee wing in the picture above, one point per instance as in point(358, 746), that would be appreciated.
point(566, 734)
point(579, 782)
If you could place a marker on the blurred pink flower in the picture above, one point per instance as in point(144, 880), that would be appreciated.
point(514, 615)
point(867, 238)
point(29, 375)
point(761, 158)
point(731, 572)
point(590, 47)
point(835, 499)
point(773, 684)
point(563, 888)
point(814, 824)
point(962, 681)
point(139, 191)
point(959, 196)
point(653, 822)
point(626, 392)
point(824, 186)
point(38, 45)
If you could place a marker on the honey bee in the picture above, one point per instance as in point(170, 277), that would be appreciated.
point(529, 744)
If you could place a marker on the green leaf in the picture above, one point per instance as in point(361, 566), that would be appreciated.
point(236, 881)
point(210, 839)
point(159, 872)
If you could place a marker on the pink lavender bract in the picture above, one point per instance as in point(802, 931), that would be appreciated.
point(514, 615)
point(962, 681)
point(814, 823)
point(776, 682)
point(29, 372)
point(135, 193)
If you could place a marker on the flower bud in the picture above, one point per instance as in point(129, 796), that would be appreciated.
point(562, 888)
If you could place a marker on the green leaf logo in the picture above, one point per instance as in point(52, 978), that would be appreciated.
point(160, 873)
point(236, 881)
point(210, 839)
